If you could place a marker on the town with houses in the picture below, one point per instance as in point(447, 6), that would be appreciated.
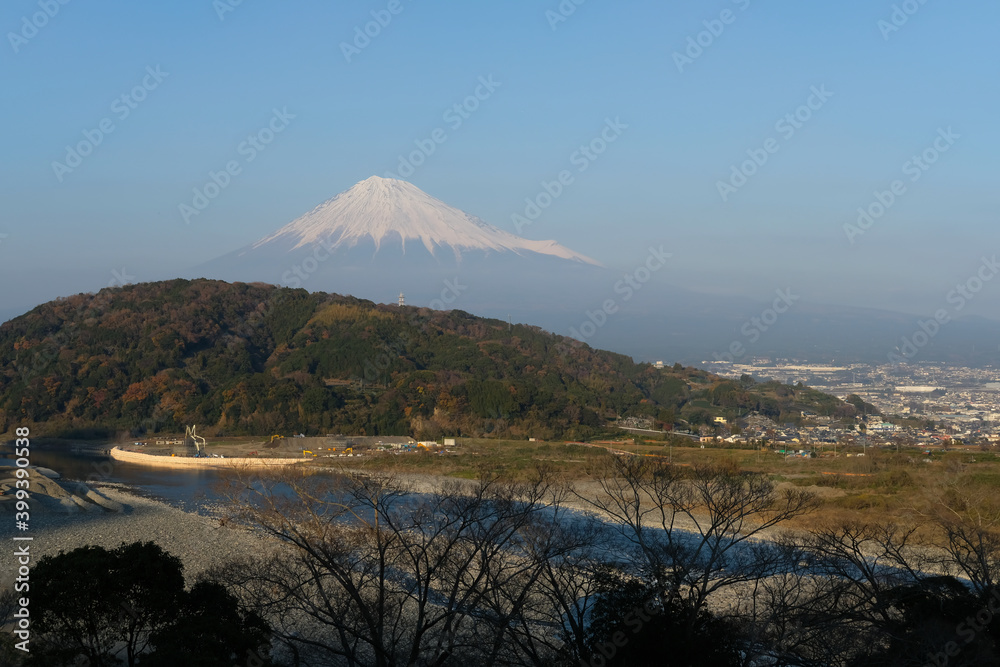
point(928, 405)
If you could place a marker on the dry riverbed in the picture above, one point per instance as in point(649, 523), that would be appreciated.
point(68, 515)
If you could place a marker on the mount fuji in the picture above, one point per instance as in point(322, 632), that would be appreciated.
point(390, 212)
point(385, 236)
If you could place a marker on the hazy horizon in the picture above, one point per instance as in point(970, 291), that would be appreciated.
point(874, 85)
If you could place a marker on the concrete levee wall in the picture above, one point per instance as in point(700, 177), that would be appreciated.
point(201, 462)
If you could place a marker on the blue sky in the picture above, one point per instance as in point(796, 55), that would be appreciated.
point(224, 73)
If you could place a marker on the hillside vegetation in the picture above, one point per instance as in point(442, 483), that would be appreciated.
point(256, 359)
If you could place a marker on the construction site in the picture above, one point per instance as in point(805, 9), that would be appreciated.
point(192, 445)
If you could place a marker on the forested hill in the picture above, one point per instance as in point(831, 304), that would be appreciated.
point(258, 359)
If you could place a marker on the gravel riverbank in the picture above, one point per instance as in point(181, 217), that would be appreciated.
point(199, 541)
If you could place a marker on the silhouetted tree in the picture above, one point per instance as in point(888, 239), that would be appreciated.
point(691, 534)
point(128, 606)
point(631, 626)
point(372, 573)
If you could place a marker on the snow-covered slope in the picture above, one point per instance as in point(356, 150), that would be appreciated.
point(385, 210)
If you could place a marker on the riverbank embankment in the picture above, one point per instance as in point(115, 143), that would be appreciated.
point(190, 462)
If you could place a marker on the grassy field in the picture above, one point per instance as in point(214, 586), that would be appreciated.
point(906, 486)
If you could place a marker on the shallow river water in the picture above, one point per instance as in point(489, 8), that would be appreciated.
point(186, 489)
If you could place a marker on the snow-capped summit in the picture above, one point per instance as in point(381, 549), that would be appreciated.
point(386, 210)
point(385, 236)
